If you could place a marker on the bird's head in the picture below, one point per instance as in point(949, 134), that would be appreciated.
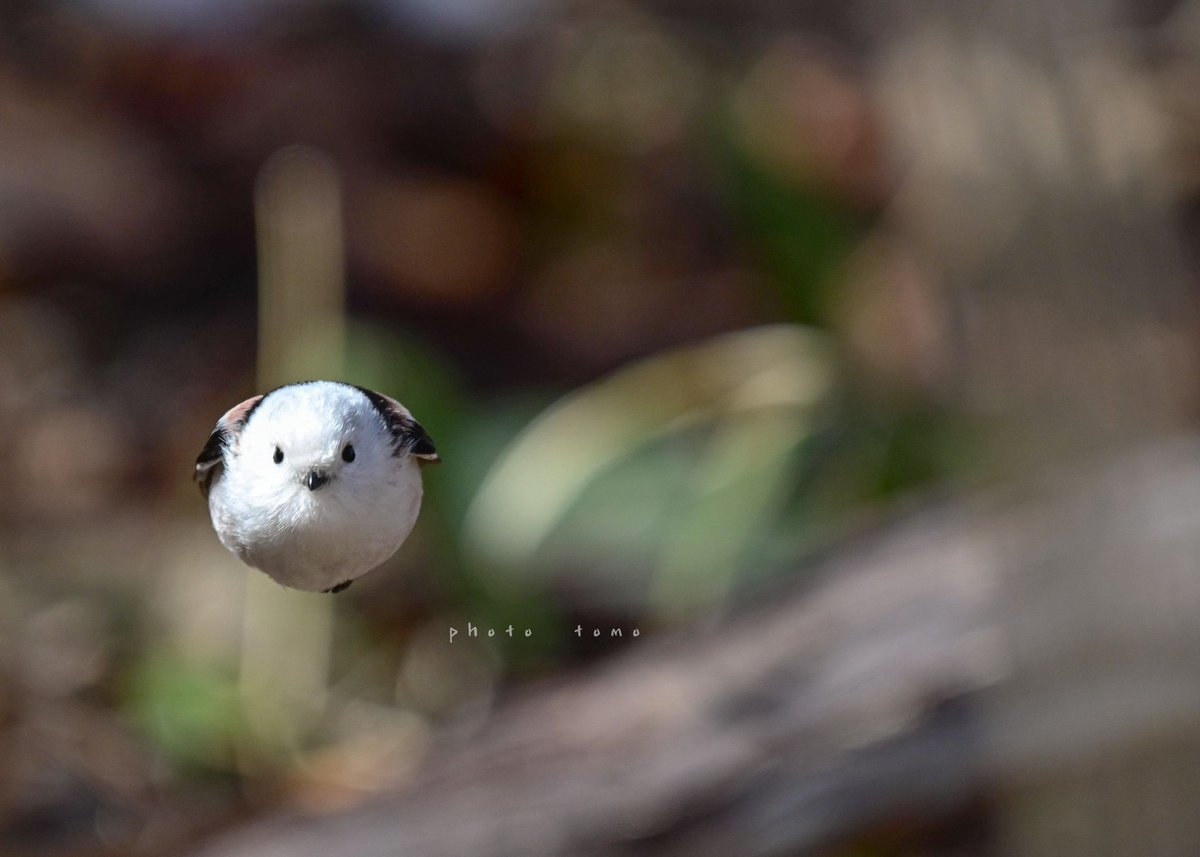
point(311, 439)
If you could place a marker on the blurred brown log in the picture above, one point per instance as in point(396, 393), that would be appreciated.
point(888, 701)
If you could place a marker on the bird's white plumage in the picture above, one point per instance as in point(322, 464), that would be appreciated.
point(315, 539)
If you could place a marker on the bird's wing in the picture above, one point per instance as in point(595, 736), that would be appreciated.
point(212, 458)
point(407, 434)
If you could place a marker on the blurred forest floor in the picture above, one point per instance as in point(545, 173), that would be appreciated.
point(689, 295)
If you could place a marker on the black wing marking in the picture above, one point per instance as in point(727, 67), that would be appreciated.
point(407, 434)
point(211, 459)
point(422, 444)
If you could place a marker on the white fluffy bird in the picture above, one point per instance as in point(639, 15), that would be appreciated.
point(315, 483)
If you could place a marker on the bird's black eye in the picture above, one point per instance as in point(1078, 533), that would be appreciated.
point(348, 453)
point(278, 457)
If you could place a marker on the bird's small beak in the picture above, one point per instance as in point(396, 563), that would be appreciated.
point(315, 479)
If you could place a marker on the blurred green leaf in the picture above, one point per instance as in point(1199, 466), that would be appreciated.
point(681, 459)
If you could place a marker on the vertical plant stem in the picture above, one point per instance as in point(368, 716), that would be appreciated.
point(287, 634)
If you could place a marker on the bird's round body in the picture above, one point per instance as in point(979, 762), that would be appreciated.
point(315, 483)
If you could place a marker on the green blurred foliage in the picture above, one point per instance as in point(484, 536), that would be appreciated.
point(188, 709)
point(799, 235)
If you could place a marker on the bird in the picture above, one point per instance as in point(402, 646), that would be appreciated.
point(315, 483)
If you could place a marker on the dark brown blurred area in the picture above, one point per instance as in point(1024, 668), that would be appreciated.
point(687, 293)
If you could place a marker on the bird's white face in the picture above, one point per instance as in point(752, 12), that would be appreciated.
point(310, 445)
point(315, 483)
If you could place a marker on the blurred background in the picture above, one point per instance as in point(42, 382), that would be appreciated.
point(686, 293)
